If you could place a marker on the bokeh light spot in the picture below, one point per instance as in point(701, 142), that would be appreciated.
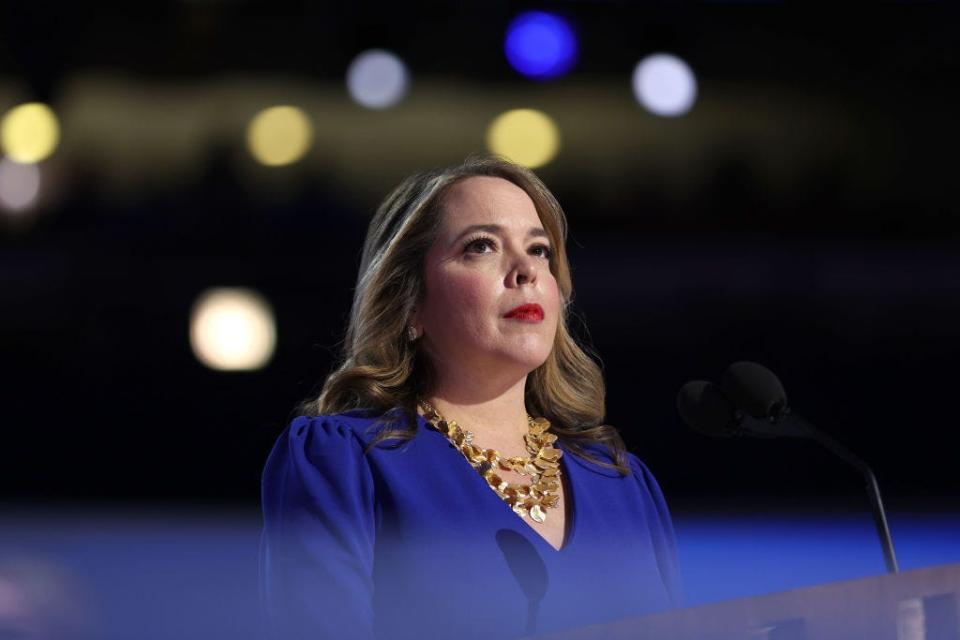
point(29, 132)
point(19, 185)
point(232, 329)
point(279, 135)
point(665, 85)
point(377, 79)
point(526, 136)
point(540, 45)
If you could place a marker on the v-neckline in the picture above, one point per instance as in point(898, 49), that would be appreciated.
point(569, 503)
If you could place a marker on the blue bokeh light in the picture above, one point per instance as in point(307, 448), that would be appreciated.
point(540, 45)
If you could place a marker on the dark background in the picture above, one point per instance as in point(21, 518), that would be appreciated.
point(841, 273)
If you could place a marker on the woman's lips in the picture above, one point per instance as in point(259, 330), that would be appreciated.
point(527, 313)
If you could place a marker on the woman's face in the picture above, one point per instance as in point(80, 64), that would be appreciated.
point(491, 255)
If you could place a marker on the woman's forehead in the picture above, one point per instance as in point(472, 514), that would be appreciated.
point(489, 200)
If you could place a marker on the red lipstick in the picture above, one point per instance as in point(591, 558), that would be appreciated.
point(527, 312)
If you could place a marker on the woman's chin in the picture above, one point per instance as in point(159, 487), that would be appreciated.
point(527, 359)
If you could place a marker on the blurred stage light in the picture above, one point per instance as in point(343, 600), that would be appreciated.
point(19, 185)
point(29, 132)
point(377, 79)
point(540, 45)
point(279, 135)
point(232, 329)
point(664, 84)
point(526, 136)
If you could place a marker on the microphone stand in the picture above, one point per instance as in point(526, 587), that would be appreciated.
point(873, 489)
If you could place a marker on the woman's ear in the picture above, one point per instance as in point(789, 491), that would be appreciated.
point(414, 330)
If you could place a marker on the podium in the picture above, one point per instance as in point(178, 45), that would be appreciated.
point(914, 605)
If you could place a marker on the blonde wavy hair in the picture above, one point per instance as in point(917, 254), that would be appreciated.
point(381, 370)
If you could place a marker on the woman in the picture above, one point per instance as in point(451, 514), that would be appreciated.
point(454, 477)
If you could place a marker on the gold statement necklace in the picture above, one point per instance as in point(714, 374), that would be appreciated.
point(543, 465)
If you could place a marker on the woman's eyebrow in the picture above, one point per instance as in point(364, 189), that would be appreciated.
point(535, 232)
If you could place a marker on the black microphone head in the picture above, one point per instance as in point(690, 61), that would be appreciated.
point(703, 406)
point(753, 388)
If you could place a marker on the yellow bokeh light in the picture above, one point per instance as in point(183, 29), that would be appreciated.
point(279, 135)
point(232, 329)
point(526, 136)
point(29, 132)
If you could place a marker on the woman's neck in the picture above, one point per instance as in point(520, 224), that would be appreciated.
point(494, 416)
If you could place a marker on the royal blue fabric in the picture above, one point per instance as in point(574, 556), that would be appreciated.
point(410, 541)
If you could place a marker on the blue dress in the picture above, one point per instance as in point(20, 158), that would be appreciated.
point(411, 542)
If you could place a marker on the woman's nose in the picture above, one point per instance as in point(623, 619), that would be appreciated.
point(524, 271)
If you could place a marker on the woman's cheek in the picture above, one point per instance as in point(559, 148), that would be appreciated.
point(471, 292)
point(554, 293)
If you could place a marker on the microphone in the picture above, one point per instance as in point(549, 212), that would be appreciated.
point(751, 401)
point(706, 409)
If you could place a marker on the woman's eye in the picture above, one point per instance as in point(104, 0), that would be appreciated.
point(545, 251)
point(480, 242)
point(477, 245)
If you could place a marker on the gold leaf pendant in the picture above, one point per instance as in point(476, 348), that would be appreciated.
point(543, 465)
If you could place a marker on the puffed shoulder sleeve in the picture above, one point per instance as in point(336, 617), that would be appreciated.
point(316, 547)
point(661, 530)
